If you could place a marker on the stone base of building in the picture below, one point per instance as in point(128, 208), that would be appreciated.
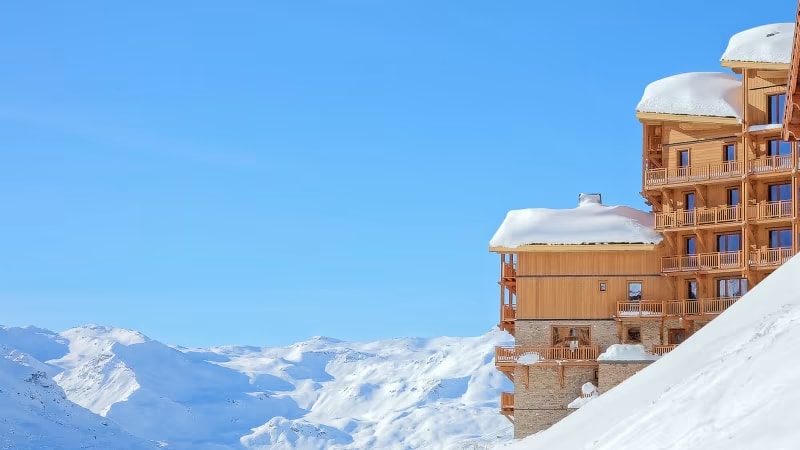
point(612, 373)
point(530, 421)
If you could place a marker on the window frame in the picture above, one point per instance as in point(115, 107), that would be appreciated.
point(679, 161)
point(776, 107)
point(641, 290)
point(779, 230)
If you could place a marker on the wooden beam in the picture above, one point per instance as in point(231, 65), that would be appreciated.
point(687, 118)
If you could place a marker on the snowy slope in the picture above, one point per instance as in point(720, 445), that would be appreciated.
point(733, 385)
point(322, 393)
point(35, 413)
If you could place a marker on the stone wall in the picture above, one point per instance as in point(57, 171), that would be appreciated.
point(544, 401)
point(650, 331)
point(530, 421)
point(612, 373)
point(538, 332)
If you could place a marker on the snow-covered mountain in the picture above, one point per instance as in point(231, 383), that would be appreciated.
point(321, 393)
point(35, 412)
point(732, 385)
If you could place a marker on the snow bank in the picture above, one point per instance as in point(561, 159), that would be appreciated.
point(588, 393)
point(732, 385)
point(626, 352)
point(695, 94)
point(764, 127)
point(528, 358)
point(767, 43)
point(589, 223)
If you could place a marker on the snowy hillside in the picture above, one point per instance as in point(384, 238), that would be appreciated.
point(322, 393)
point(730, 386)
point(37, 415)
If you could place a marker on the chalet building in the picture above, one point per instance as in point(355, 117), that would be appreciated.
point(719, 175)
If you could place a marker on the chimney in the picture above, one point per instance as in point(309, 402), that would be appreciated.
point(590, 199)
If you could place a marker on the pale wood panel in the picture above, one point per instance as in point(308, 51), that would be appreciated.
point(580, 298)
point(550, 285)
point(709, 151)
point(593, 261)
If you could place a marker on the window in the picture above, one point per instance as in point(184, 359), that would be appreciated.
point(775, 106)
point(633, 335)
point(634, 291)
point(780, 238)
point(779, 192)
point(729, 153)
point(602, 286)
point(683, 158)
point(733, 196)
point(689, 201)
point(691, 290)
point(731, 287)
point(571, 336)
point(690, 246)
point(729, 242)
point(776, 147)
point(676, 335)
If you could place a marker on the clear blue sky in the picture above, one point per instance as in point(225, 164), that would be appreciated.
point(266, 172)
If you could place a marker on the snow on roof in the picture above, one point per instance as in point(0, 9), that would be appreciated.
point(695, 93)
point(626, 352)
point(589, 223)
point(767, 43)
point(731, 385)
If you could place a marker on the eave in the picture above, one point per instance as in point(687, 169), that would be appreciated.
point(649, 116)
point(572, 248)
point(754, 65)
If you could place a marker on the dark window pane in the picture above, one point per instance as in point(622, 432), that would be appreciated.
point(690, 201)
point(729, 153)
point(733, 196)
point(683, 158)
point(690, 246)
point(635, 291)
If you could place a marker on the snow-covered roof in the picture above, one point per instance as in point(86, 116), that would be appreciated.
point(590, 223)
point(767, 43)
point(695, 93)
point(626, 352)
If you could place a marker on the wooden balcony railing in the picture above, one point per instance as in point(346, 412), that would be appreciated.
point(675, 308)
point(508, 313)
point(770, 164)
point(701, 262)
point(770, 210)
point(770, 257)
point(507, 401)
point(510, 355)
point(656, 177)
point(509, 270)
point(662, 350)
point(698, 217)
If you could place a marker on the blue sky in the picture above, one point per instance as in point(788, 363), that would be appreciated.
point(270, 171)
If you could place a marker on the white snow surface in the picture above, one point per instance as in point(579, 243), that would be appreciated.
point(729, 386)
point(589, 392)
point(714, 94)
point(528, 358)
point(589, 223)
point(626, 352)
point(36, 414)
point(319, 394)
point(764, 127)
point(768, 44)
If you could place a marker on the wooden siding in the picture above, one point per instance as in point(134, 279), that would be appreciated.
point(704, 145)
point(567, 285)
point(759, 84)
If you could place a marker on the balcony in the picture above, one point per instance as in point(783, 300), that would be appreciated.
point(770, 165)
point(507, 403)
point(770, 257)
point(770, 211)
point(692, 174)
point(718, 261)
point(674, 308)
point(508, 356)
point(698, 217)
point(662, 350)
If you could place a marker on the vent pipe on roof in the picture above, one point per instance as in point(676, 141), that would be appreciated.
point(590, 199)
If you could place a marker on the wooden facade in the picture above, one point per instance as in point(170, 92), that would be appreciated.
point(724, 195)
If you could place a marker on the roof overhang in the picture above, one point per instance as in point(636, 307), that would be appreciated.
point(661, 117)
point(555, 248)
point(791, 116)
point(736, 66)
